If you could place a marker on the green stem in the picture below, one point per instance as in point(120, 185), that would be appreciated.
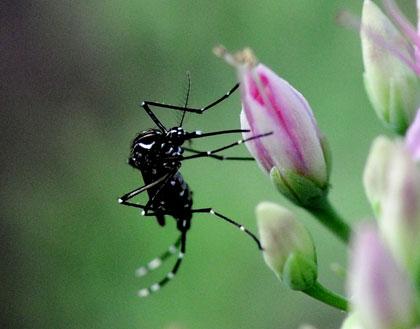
point(329, 217)
point(326, 296)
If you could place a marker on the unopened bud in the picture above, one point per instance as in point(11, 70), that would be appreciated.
point(391, 85)
point(296, 154)
point(375, 177)
point(288, 247)
point(381, 292)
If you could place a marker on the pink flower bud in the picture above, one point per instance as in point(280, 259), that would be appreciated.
point(381, 292)
point(272, 104)
point(412, 139)
point(296, 149)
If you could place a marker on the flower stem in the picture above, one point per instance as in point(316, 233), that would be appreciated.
point(329, 217)
point(326, 296)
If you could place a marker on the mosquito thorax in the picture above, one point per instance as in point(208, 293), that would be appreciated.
point(155, 151)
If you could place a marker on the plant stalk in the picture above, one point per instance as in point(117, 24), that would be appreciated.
point(319, 292)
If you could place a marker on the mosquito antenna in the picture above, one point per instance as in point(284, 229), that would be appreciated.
point(186, 97)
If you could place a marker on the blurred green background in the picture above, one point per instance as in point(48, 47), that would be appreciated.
point(72, 76)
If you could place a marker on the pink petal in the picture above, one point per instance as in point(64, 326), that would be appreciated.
point(412, 139)
point(381, 292)
point(272, 104)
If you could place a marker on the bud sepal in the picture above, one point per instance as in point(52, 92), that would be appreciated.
point(300, 272)
point(299, 189)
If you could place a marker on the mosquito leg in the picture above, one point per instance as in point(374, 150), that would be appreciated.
point(146, 104)
point(200, 134)
point(209, 153)
point(139, 206)
point(169, 176)
point(139, 190)
point(230, 221)
point(170, 275)
point(219, 157)
point(158, 261)
point(230, 92)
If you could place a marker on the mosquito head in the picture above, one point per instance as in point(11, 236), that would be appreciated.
point(176, 135)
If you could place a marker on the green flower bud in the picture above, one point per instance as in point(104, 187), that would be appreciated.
point(288, 247)
point(376, 171)
point(391, 85)
point(400, 219)
point(392, 184)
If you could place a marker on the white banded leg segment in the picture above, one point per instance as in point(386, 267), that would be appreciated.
point(212, 152)
point(230, 221)
point(158, 261)
point(155, 287)
point(217, 156)
point(237, 143)
point(145, 292)
point(172, 249)
point(152, 265)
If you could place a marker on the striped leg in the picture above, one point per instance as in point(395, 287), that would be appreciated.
point(162, 185)
point(158, 261)
point(142, 189)
point(212, 152)
point(146, 209)
point(170, 275)
point(241, 227)
point(219, 157)
point(146, 104)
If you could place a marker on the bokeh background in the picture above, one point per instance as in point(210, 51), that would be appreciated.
point(72, 76)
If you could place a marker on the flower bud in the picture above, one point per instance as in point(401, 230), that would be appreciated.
point(391, 85)
point(400, 219)
point(288, 247)
point(295, 154)
point(376, 171)
point(412, 139)
point(392, 184)
point(381, 293)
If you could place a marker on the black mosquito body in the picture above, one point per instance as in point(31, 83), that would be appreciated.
point(158, 154)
